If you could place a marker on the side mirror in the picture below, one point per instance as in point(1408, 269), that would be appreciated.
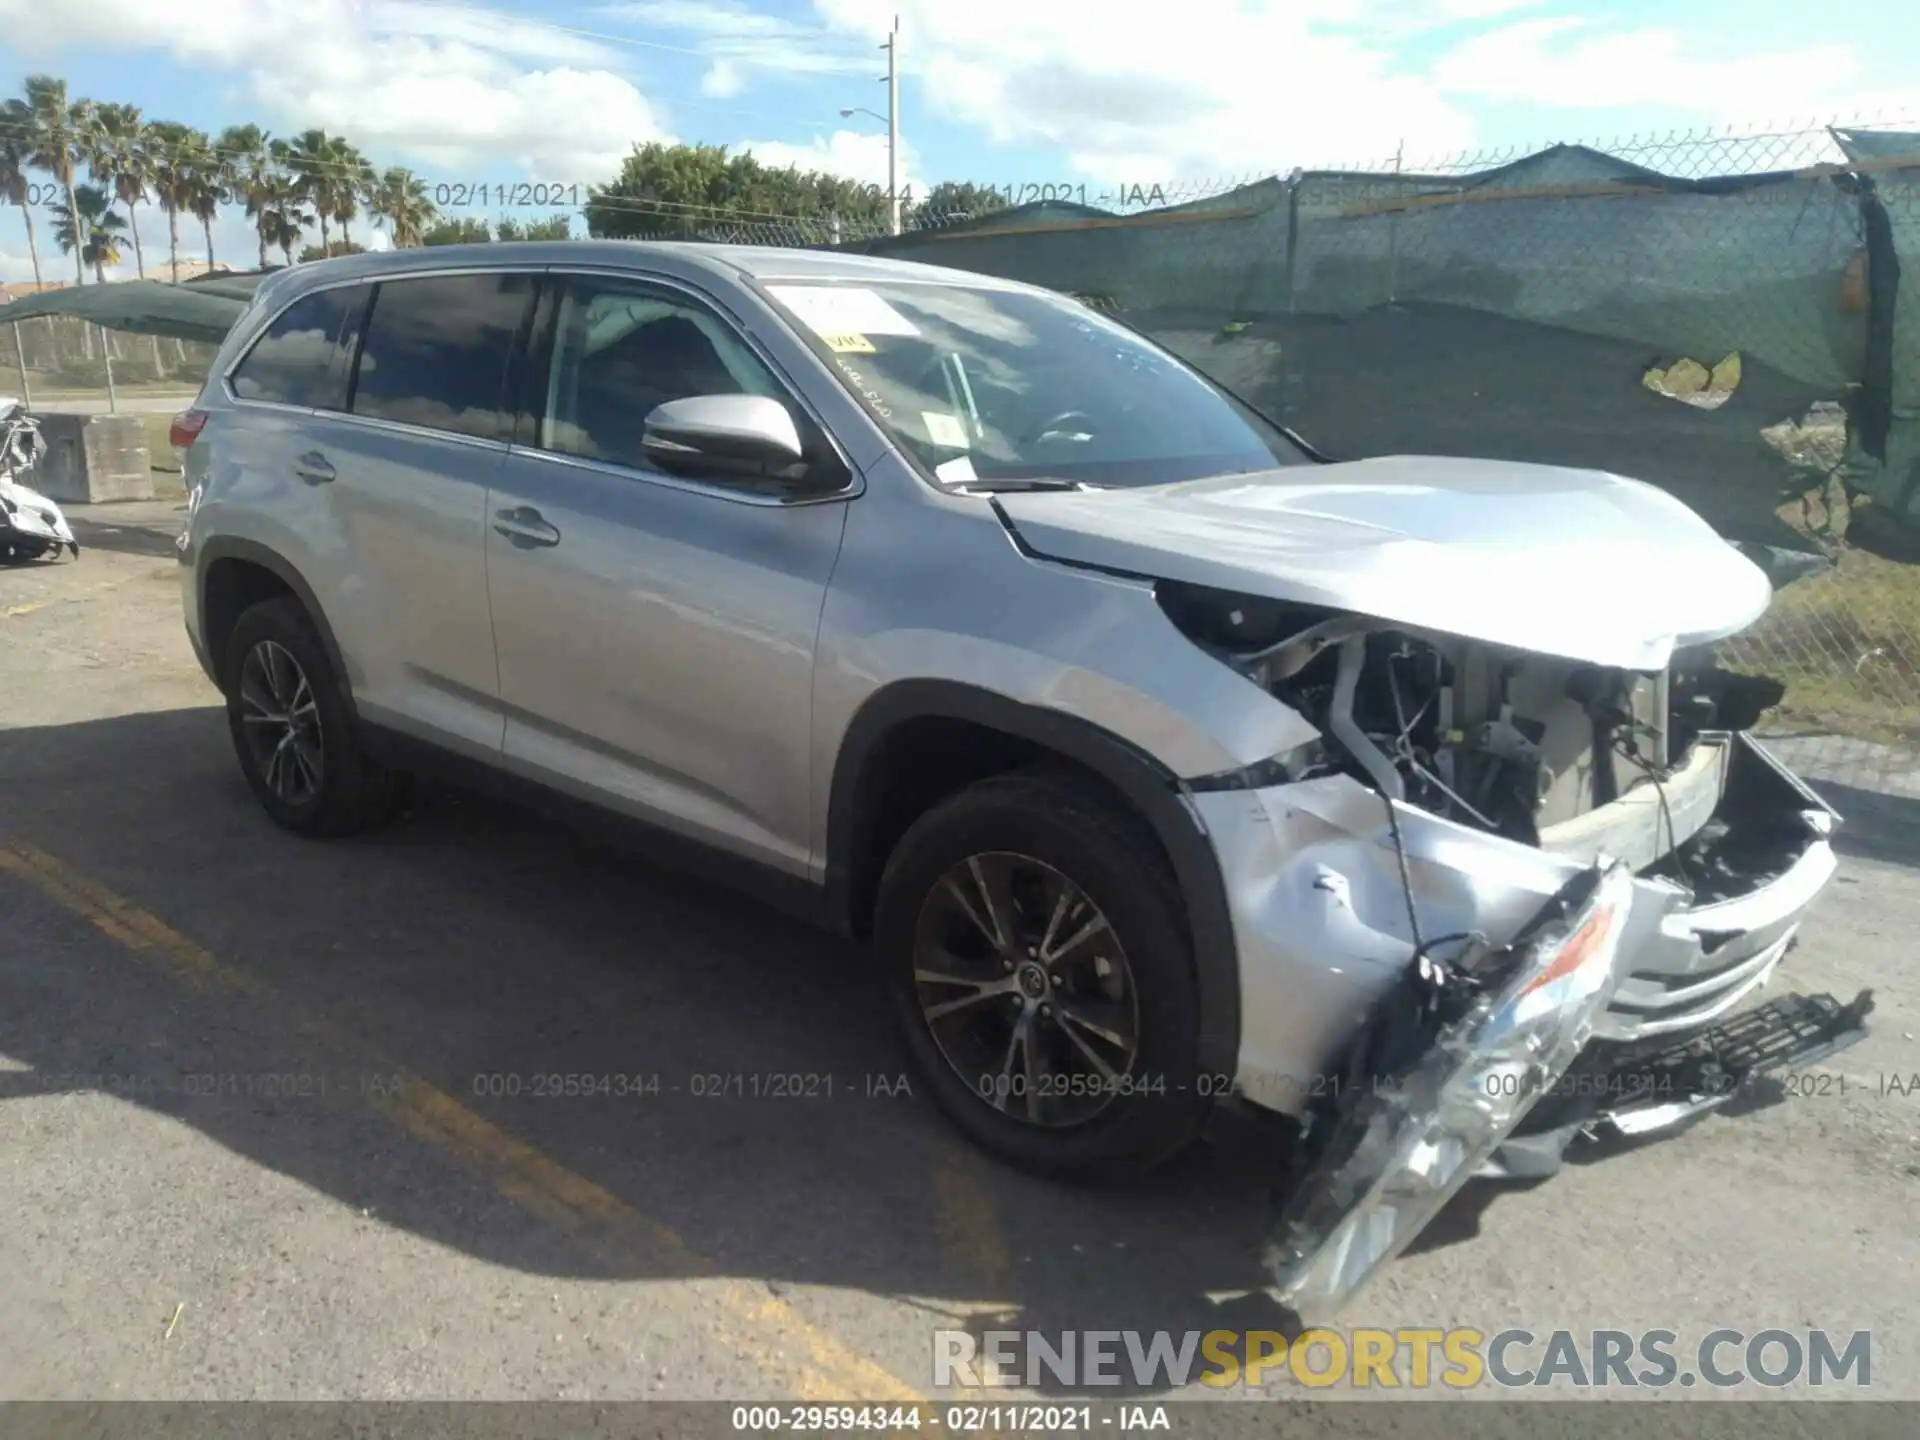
point(750, 437)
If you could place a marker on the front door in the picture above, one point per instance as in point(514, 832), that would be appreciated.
point(655, 634)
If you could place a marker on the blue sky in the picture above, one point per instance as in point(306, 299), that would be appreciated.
point(1007, 92)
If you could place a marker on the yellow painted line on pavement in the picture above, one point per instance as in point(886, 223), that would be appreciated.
point(814, 1363)
point(87, 594)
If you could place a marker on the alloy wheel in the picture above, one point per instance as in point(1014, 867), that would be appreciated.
point(281, 723)
point(1026, 989)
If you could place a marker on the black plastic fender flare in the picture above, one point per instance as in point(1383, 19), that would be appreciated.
point(1152, 789)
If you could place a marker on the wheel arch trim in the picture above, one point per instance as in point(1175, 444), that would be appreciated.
point(233, 547)
point(1150, 787)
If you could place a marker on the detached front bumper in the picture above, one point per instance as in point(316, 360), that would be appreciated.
point(1579, 992)
point(27, 515)
point(1321, 921)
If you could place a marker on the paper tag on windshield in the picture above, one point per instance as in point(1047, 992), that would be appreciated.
point(842, 310)
point(957, 471)
point(945, 430)
point(848, 342)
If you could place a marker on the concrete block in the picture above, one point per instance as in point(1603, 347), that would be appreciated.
point(94, 458)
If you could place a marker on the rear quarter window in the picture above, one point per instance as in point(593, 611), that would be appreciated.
point(435, 351)
point(292, 361)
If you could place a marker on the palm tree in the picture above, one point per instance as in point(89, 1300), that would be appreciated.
point(354, 184)
point(59, 134)
point(309, 156)
point(400, 198)
point(16, 157)
point(120, 160)
point(91, 228)
point(204, 179)
point(171, 145)
point(283, 217)
point(247, 153)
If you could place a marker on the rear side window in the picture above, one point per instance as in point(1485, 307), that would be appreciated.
point(292, 363)
point(435, 351)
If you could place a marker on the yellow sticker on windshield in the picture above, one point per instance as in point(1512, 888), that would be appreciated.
point(849, 342)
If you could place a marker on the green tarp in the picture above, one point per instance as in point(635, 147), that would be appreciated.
point(202, 309)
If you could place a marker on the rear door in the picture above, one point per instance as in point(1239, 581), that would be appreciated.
point(404, 464)
point(656, 634)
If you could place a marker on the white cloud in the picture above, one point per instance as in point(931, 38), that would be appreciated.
point(722, 81)
point(1572, 63)
point(16, 266)
point(1234, 87)
point(1482, 9)
point(856, 155)
point(454, 89)
point(749, 38)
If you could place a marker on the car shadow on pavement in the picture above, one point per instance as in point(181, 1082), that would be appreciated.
point(97, 528)
point(492, 954)
point(1874, 826)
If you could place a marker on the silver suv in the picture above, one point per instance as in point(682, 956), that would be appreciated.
point(1151, 749)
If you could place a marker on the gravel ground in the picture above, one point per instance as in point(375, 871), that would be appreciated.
point(259, 1136)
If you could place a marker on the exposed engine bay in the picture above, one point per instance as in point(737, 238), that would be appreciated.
point(1518, 744)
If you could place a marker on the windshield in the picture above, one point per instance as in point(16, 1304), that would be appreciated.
point(997, 385)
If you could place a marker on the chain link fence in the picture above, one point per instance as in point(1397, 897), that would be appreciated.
point(1720, 313)
point(68, 359)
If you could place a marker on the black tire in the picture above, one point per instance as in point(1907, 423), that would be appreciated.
point(1078, 835)
point(351, 791)
point(19, 550)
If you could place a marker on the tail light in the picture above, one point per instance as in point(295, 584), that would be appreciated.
point(186, 428)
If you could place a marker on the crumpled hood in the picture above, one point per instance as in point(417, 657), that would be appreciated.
point(1573, 563)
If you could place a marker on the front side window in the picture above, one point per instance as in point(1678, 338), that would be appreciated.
point(436, 349)
point(292, 363)
point(621, 348)
point(984, 384)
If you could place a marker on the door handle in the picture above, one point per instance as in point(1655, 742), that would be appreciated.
point(526, 526)
point(313, 468)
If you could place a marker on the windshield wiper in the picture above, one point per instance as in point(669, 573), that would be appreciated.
point(1013, 486)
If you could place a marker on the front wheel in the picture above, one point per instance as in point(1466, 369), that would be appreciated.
point(1037, 960)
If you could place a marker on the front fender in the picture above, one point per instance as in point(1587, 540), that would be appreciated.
point(1153, 791)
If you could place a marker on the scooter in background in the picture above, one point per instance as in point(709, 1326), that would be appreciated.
point(31, 525)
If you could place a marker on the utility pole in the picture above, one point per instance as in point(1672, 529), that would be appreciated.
point(892, 47)
point(20, 350)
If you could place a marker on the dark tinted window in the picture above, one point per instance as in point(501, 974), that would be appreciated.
point(621, 348)
point(436, 350)
point(292, 362)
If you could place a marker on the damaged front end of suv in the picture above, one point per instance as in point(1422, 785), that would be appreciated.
point(1522, 881)
point(1465, 800)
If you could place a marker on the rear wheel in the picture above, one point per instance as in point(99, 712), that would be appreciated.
point(1038, 964)
point(293, 730)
